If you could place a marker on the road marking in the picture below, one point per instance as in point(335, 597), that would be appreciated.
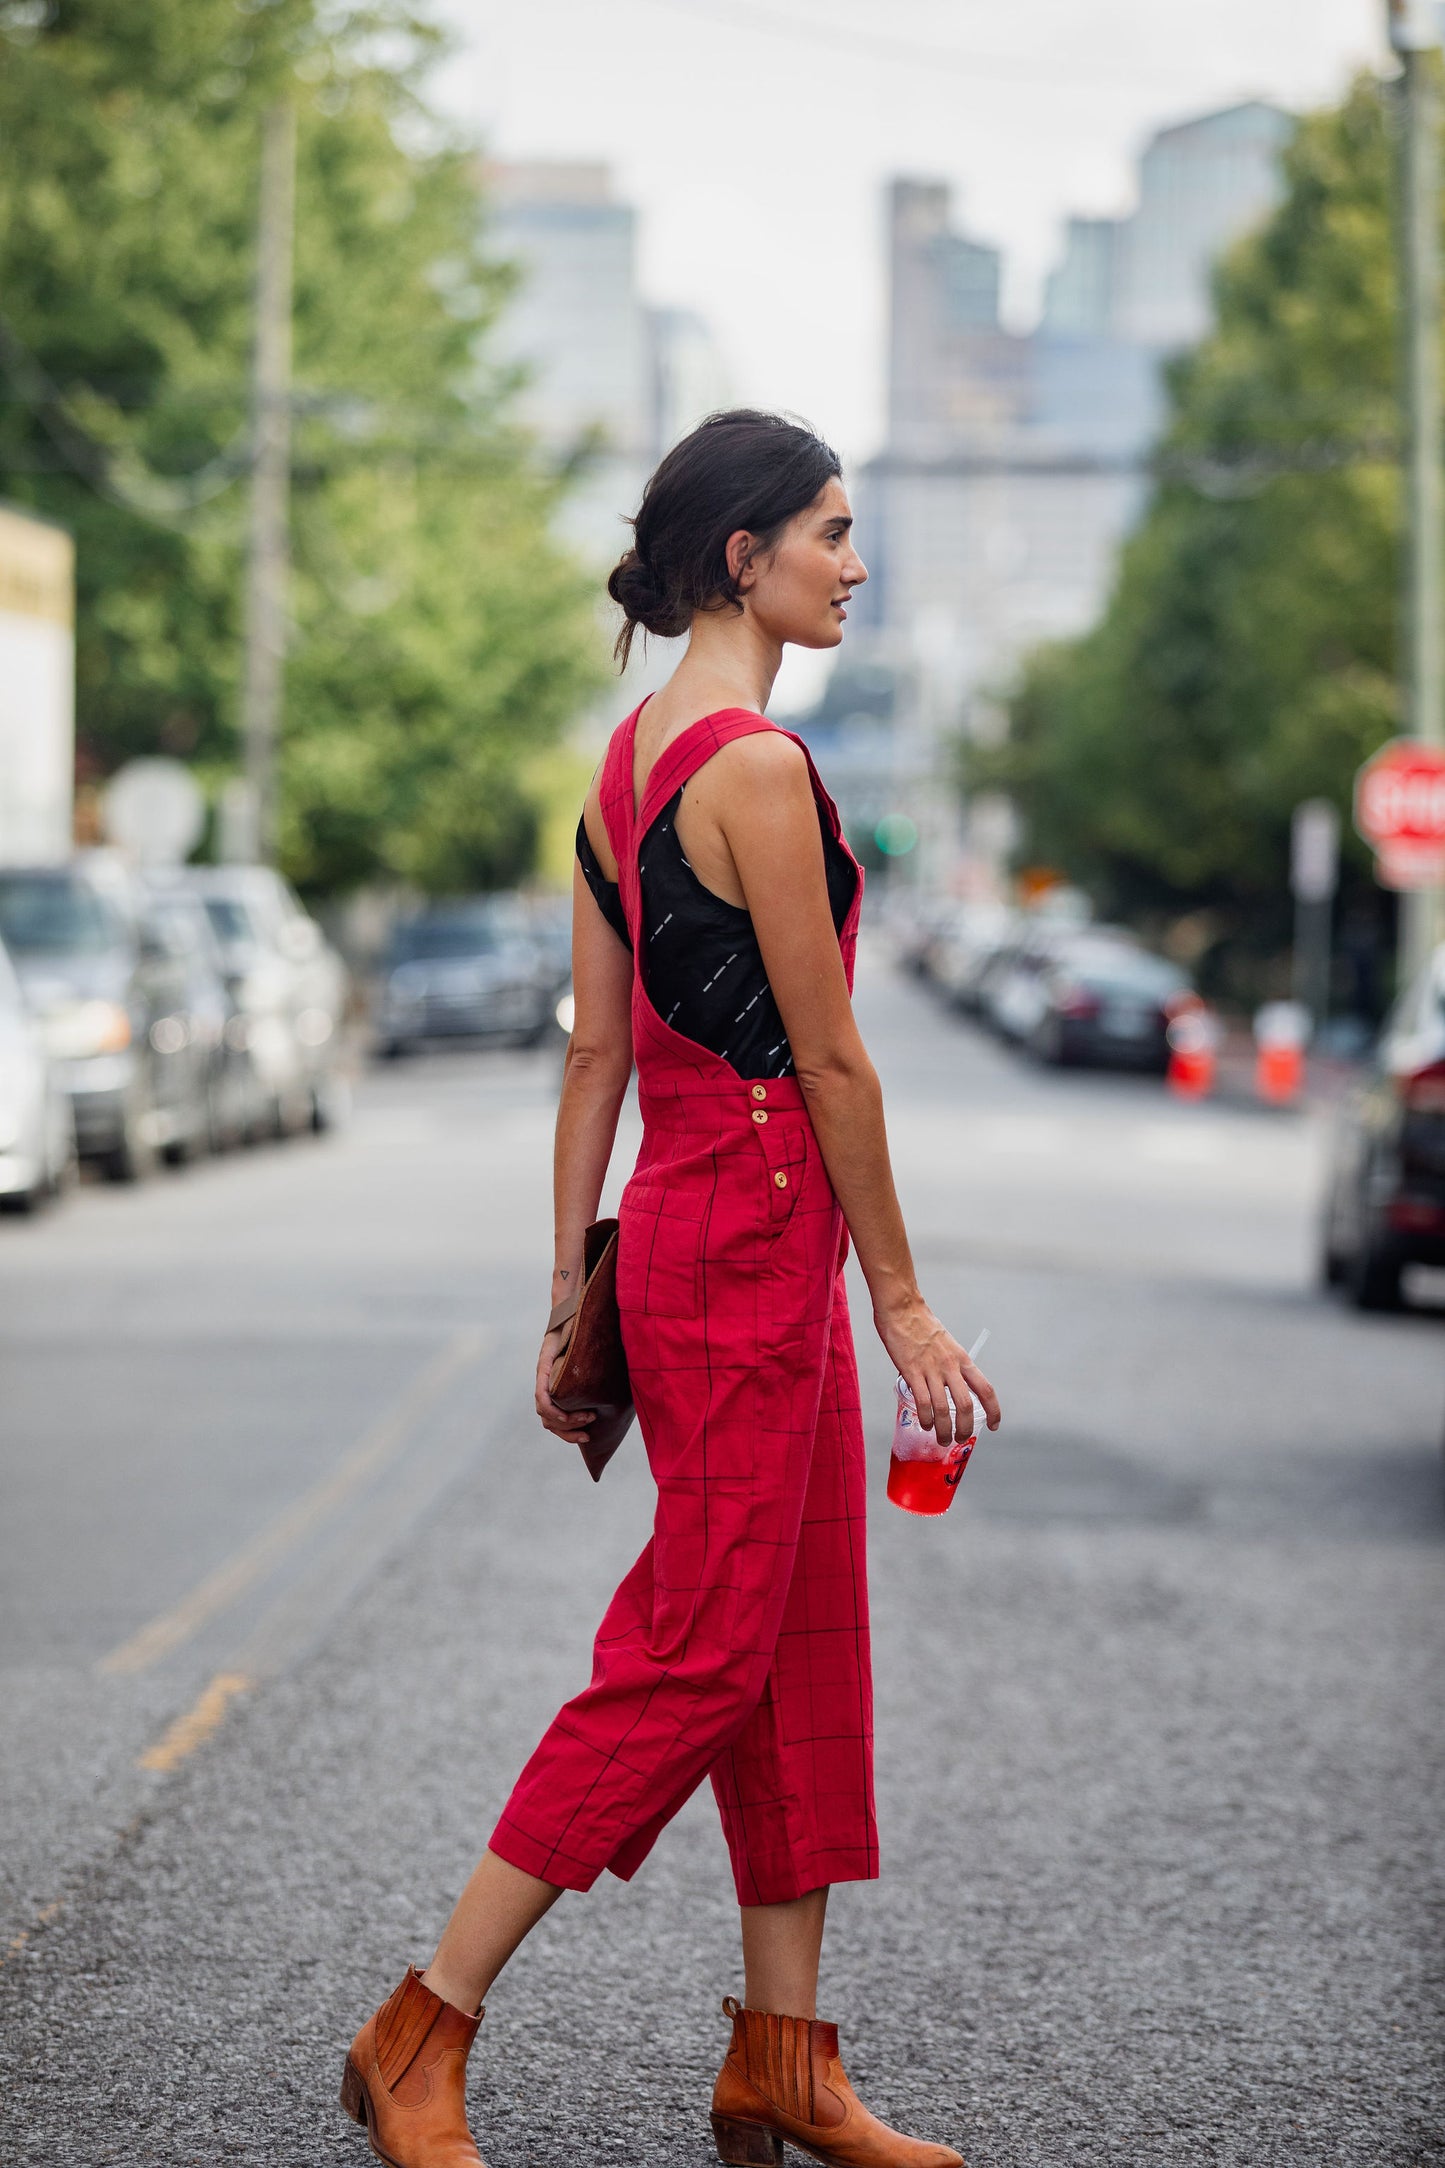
point(17, 1942)
point(256, 1559)
point(192, 1729)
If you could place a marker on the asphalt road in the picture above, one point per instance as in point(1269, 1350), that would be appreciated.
point(289, 1583)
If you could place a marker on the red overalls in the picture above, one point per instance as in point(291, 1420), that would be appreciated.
point(737, 1646)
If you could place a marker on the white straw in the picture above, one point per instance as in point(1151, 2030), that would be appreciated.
point(978, 1346)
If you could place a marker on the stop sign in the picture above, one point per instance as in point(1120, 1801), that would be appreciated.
point(1400, 811)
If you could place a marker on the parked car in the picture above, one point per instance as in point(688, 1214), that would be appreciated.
point(962, 948)
point(290, 988)
point(463, 970)
point(175, 921)
point(914, 921)
point(37, 1130)
point(1010, 984)
point(1385, 1191)
point(1107, 1003)
point(111, 1005)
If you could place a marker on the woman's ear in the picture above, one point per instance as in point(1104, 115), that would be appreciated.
point(740, 558)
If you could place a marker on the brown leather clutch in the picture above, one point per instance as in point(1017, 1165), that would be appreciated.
point(591, 1371)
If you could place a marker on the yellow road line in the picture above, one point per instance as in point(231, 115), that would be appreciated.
point(17, 1942)
point(194, 1728)
point(221, 1588)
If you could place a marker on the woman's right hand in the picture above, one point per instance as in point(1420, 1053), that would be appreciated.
point(561, 1423)
point(932, 1364)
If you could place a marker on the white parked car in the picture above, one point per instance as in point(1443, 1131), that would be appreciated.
point(289, 986)
point(37, 1131)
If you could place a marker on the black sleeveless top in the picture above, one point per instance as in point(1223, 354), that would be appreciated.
point(701, 964)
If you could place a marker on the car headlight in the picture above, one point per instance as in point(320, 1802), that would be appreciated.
point(84, 1028)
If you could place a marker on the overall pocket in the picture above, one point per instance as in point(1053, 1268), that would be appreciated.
point(659, 1252)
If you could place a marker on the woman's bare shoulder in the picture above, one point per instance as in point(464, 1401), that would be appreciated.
point(767, 759)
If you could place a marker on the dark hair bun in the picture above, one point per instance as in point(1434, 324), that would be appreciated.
point(644, 600)
point(743, 471)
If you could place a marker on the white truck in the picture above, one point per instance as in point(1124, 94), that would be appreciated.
point(37, 689)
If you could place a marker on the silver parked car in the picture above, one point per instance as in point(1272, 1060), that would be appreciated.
point(37, 1132)
point(290, 988)
point(111, 1006)
point(175, 922)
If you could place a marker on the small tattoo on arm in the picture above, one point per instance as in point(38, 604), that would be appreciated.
point(564, 1275)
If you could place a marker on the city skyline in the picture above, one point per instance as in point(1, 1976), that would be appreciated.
point(755, 143)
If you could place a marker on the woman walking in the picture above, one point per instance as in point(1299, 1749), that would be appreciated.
point(715, 920)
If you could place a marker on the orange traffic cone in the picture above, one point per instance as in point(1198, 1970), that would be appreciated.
point(1281, 1034)
point(1279, 1074)
point(1191, 1070)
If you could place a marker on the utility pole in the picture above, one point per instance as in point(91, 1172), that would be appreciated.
point(1415, 33)
point(268, 546)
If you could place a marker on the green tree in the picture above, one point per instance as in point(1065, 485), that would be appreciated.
point(1246, 658)
point(439, 635)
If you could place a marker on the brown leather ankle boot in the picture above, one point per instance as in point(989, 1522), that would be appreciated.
point(782, 2079)
point(406, 2080)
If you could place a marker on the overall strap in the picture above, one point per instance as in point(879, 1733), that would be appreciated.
point(692, 749)
point(614, 788)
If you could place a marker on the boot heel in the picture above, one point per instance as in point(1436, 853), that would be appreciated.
point(746, 2145)
point(353, 2093)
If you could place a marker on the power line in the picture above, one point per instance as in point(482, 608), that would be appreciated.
point(982, 67)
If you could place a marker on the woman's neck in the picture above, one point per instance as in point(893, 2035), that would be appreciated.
point(730, 663)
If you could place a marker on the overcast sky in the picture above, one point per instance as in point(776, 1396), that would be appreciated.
point(754, 136)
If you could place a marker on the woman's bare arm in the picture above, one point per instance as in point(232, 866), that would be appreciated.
point(764, 806)
point(594, 1084)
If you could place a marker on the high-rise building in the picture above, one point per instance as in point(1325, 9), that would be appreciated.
point(608, 381)
point(1015, 463)
point(605, 376)
point(576, 322)
point(1200, 184)
point(1081, 293)
point(951, 367)
point(689, 376)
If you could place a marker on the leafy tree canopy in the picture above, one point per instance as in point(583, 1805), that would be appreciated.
point(439, 636)
point(1246, 659)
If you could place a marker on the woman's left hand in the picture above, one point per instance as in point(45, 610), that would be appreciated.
point(561, 1423)
point(932, 1364)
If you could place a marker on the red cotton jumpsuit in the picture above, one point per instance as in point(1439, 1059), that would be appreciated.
point(737, 1646)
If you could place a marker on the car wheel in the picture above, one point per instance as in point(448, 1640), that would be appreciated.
point(1046, 1042)
point(194, 1145)
point(224, 1126)
point(1372, 1275)
point(133, 1156)
point(330, 1104)
point(20, 1203)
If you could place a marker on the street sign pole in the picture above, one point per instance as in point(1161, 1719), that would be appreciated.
point(1415, 30)
point(1314, 876)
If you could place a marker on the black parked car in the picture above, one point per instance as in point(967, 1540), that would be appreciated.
point(463, 970)
point(1107, 1003)
point(112, 1008)
point(1385, 1198)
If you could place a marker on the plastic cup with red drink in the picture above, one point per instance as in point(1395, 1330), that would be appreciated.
point(923, 1475)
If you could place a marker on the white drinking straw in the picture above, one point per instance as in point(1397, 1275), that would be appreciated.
point(978, 1346)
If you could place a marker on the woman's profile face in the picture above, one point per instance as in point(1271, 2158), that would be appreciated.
point(799, 591)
